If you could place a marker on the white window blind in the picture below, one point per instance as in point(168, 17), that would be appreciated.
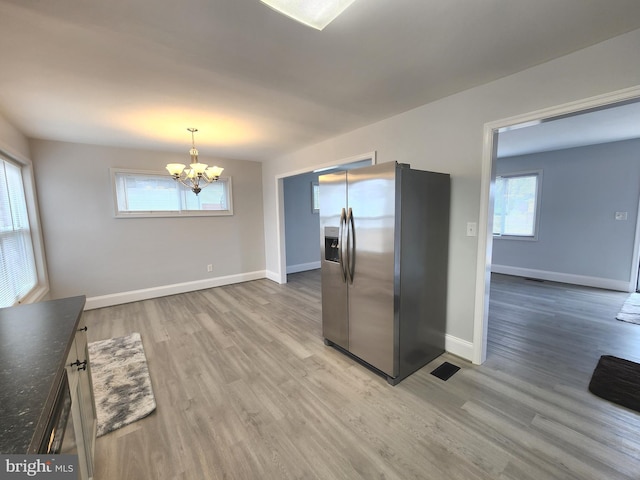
point(516, 205)
point(142, 194)
point(17, 263)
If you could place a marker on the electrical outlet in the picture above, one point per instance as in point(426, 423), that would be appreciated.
point(209, 268)
point(621, 215)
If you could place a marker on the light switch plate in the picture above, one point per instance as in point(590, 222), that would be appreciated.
point(472, 229)
point(621, 215)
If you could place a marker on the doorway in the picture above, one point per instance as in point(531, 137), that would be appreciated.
point(485, 239)
point(355, 161)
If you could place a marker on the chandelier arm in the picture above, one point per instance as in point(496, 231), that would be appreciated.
point(178, 179)
point(207, 178)
point(193, 184)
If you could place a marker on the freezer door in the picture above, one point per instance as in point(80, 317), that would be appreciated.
point(372, 203)
point(333, 201)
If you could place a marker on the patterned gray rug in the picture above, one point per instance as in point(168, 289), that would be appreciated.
point(121, 382)
point(630, 311)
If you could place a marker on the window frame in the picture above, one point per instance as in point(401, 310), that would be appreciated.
point(41, 287)
point(166, 213)
point(536, 214)
point(315, 196)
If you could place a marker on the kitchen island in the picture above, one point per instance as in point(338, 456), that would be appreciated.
point(43, 348)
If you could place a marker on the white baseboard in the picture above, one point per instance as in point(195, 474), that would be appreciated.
point(597, 282)
point(454, 345)
point(303, 267)
point(458, 347)
point(164, 290)
point(275, 277)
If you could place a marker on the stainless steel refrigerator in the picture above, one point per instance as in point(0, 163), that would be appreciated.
point(384, 243)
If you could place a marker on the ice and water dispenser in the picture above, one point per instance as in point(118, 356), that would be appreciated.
point(331, 245)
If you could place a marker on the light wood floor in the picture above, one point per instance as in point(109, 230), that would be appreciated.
point(246, 389)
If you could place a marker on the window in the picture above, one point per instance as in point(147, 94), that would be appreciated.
point(17, 262)
point(153, 194)
point(315, 197)
point(516, 205)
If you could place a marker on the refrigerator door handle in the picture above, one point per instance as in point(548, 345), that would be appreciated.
point(351, 246)
point(341, 254)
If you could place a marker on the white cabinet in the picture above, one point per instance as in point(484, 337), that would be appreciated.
point(83, 410)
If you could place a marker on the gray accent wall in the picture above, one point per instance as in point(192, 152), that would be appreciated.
point(90, 252)
point(302, 226)
point(578, 236)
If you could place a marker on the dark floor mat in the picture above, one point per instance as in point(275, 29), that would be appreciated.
point(445, 371)
point(617, 380)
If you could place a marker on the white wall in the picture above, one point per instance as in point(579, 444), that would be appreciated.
point(579, 239)
point(447, 136)
point(92, 253)
point(302, 226)
point(12, 141)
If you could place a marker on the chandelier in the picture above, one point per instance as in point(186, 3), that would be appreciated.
point(198, 175)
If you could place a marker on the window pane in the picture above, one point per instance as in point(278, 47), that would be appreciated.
point(498, 207)
point(515, 205)
point(150, 193)
point(146, 193)
point(212, 197)
point(17, 264)
point(315, 197)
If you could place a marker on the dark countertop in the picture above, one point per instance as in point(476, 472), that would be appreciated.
point(35, 340)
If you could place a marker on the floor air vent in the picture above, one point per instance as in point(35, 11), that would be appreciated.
point(445, 371)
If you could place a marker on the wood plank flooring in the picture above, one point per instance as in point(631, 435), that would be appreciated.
point(246, 389)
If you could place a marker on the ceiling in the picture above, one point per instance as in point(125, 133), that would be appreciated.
point(137, 73)
point(610, 124)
